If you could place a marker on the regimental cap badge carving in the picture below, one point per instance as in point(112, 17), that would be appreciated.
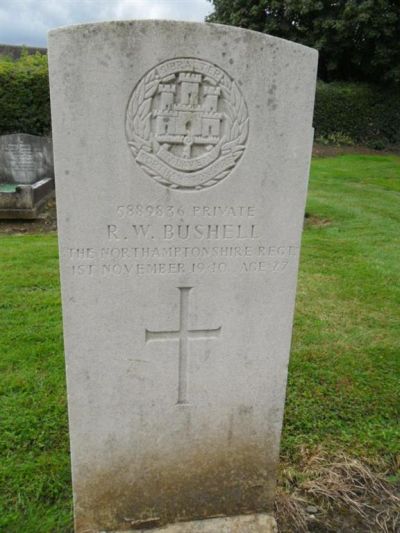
point(187, 124)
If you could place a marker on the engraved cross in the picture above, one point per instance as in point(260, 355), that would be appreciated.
point(183, 335)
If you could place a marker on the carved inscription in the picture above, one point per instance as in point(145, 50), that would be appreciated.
point(146, 240)
point(168, 232)
point(22, 157)
point(184, 334)
point(139, 261)
point(187, 124)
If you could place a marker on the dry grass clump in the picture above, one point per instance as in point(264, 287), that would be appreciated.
point(290, 513)
point(336, 494)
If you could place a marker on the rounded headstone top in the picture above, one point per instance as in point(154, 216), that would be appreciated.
point(173, 26)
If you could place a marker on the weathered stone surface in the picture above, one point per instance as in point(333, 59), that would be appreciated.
point(24, 201)
point(182, 155)
point(259, 523)
point(25, 158)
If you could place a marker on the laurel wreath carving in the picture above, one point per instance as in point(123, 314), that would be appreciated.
point(138, 125)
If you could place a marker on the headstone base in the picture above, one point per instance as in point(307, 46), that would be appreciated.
point(254, 523)
point(18, 201)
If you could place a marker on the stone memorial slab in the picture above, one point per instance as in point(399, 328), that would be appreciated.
point(26, 175)
point(25, 158)
point(182, 155)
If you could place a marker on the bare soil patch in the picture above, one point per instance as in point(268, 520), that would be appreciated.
point(315, 221)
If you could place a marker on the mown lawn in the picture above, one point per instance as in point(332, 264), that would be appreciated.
point(343, 391)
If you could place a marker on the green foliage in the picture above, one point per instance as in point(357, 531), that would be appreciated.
point(358, 40)
point(361, 113)
point(345, 113)
point(343, 391)
point(24, 95)
point(338, 139)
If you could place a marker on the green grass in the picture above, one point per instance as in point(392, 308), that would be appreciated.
point(34, 468)
point(345, 368)
point(343, 391)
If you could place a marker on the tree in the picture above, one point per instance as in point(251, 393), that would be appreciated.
point(358, 40)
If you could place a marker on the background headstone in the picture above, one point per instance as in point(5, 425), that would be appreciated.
point(182, 155)
point(25, 158)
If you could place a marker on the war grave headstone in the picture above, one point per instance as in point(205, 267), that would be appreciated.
point(26, 174)
point(182, 155)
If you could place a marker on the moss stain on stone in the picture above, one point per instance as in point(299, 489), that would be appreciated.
point(227, 481)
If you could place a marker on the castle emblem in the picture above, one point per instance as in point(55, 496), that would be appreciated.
point(187, 124)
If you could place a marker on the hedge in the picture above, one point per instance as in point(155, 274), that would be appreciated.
point(365, 114)
point(24, 95)
point(358, 113)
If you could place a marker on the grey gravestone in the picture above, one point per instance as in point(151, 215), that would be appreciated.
point(25, 159)
point(182, 155)
point(26, 174)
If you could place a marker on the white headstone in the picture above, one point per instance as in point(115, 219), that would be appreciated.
point(182, 155)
